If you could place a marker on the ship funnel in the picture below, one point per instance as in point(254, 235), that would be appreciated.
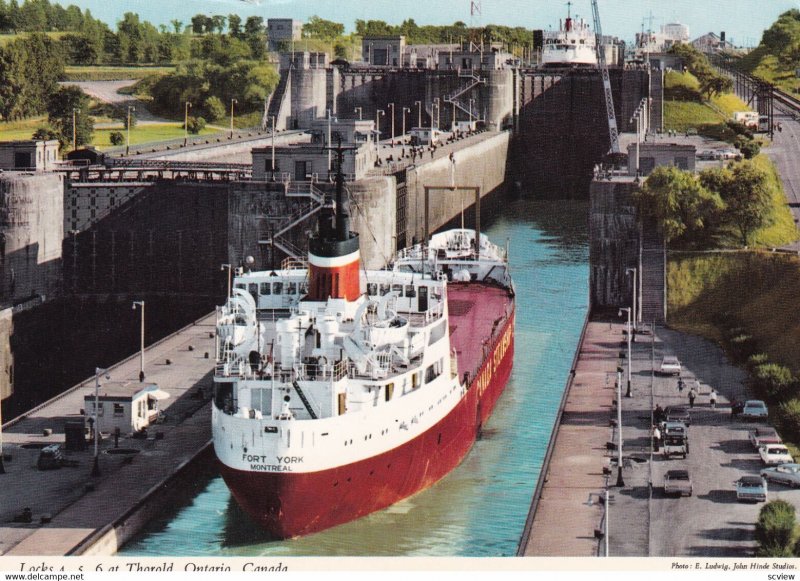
point(334, 257)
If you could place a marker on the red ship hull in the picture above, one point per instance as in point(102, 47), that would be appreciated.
point(295, 504)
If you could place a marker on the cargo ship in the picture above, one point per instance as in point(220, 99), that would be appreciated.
point(573, 44)
point(339, 391)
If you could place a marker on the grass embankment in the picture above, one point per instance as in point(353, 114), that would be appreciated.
point(149, 133)
point(760, 63)
point(685, 107)
point(113, 73)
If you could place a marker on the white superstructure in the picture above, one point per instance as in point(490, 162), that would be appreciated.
point(572, 44)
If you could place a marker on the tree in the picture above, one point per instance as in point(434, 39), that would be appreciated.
point(201, 24)
point(235, 25)
point(218, 23)
point(79, 49)
point(317, 27)
point(686, 211)
point(30, 69)
point(745, 189)
point(214, 109)
point(177, 25)
point(65, 102)
point(116, 138)
point(255, 36)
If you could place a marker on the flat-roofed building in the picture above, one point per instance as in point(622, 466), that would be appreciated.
point(282, 31)
point(29, 155)
point(386, 51)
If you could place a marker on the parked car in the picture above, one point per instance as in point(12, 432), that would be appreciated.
point(751, 488)
point(670, 366)
point(754, 409)
point(675, 445)
point(706, 154)
point(788, 474)
point(678, 414)
point(760, 436)
point(678, 482)
point(773, 454)
point(729, 154)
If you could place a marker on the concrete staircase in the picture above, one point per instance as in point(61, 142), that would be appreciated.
point(276, 100)
point(653, 268)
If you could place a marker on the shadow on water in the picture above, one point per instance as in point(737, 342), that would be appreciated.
point(480, 508)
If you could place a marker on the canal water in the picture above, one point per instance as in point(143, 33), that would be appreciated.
point(478, 510)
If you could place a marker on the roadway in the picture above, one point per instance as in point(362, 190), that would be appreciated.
point(784, 152)
point(711, 523)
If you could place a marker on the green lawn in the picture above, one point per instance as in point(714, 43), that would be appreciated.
point(19, 130)
point(145, 134)
point(685, 107)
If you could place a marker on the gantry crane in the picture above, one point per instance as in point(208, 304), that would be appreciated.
point(613, 132)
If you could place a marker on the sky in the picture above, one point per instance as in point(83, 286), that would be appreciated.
point(742, 20)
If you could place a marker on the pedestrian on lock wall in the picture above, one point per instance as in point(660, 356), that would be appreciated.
point(713, 398)
point(680, 384)
point(692, 396)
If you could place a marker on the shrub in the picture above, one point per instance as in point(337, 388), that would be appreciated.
point(774, 380)
point(195, 125)
point(214, 109)
point(742, 347)
point(740, 129)
point(755, 360)
point(774, 529)
point(116, 138)
point(788, 419)
point(750, 149)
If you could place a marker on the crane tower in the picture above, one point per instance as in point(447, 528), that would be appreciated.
point(613, 132)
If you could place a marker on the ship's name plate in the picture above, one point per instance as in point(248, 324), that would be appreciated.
point(259, 463)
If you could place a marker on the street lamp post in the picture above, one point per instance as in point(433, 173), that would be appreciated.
point(405, 110)
point(141, 343)
point(620, 481)
point(96, 464)
point(419, 113)
point(131, 108)
point(233, 102)
point(378, 114)
point(392, 106)
point(75, 111)
point(635, 305)
point(471, 101)
point(360, 111)
point(223, 267)
point(437, 103)
point(186, 123)
point(628, 333)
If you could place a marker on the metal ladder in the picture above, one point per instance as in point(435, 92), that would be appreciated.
point(304, 399)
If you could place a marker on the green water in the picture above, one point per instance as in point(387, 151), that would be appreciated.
point(479, 510)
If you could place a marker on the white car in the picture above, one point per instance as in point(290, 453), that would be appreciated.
point(788, 474)
point(772, 454)
point(754, 409)
point(670, 366)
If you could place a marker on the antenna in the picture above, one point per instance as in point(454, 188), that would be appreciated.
point(475, 12)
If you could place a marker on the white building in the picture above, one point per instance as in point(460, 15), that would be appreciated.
point(129, 406)
point(29, 155)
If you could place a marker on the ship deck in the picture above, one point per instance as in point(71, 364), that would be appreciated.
point(474, 308)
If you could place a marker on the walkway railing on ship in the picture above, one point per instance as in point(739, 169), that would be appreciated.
point(537, 493)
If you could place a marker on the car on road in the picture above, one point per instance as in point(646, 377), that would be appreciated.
point(706, 154)
point(675, 445)
point(678, 482)
point(751, 488)
point(678, 414)
point(754, 409)
point(670, 366)
point(788, 474)
point(764, 435)
point(729, 154)
point(774, 454)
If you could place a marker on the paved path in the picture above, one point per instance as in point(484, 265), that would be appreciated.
point(565, 521)
point(62, 493)
point(107, 92)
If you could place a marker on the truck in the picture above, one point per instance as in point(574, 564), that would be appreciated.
point(747, 118)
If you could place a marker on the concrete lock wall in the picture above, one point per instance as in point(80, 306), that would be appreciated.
point(308, 95)
point(235, 152)
point(613, 242)
point(482, 165)
point(31, 223)
point(373, 215)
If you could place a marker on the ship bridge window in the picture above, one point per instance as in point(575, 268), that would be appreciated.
point(434, 371)
point(277, 288)
point(241, 285)
point(292, 288)
point(265, 289)
point(303, 288)
point(410, 291)
point(384, 289)
point(398, 288)
point(253, 289)
point(372, 289)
